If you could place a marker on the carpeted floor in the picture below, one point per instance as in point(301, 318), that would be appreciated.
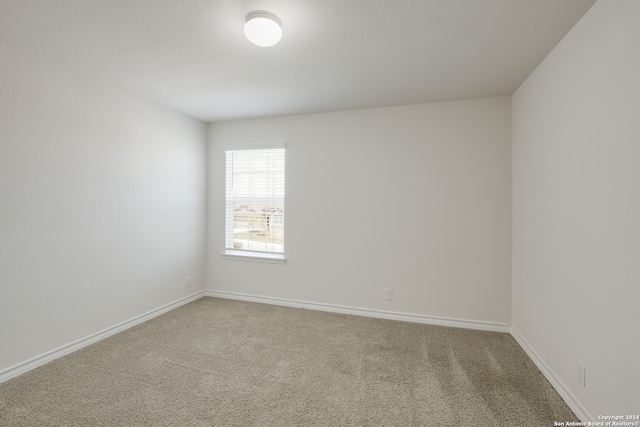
point(218, 362)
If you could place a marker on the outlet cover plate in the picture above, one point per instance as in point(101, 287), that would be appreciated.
point(580, 373)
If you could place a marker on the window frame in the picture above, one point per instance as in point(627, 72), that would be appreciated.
point(249, 255)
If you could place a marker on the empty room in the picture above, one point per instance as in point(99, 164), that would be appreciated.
point(319, 213)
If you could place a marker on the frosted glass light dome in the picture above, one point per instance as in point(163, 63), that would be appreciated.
point(263, 28)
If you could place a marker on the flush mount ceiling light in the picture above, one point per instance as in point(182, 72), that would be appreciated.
point(263, 28)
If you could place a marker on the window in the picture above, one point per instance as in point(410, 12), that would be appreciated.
point(254, 226)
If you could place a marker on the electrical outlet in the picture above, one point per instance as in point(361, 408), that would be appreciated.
point(388, 294)
point(580, 374)
point(187, 282)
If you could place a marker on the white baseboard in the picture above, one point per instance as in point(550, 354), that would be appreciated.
point(34, 362)
point(415, 318)
point(562, 390)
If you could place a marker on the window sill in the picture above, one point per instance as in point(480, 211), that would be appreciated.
point(254, 256)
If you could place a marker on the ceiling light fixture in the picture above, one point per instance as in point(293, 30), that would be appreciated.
point(263, 28)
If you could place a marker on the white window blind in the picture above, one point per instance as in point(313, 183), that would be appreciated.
point(255, 201)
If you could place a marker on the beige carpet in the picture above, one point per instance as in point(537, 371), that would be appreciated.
point(219, 362)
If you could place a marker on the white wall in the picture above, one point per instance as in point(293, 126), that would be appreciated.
point(416, 198)
point(102, 206)
point(576, 209)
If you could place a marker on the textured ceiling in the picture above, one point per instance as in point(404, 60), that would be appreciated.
point(192, 56)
